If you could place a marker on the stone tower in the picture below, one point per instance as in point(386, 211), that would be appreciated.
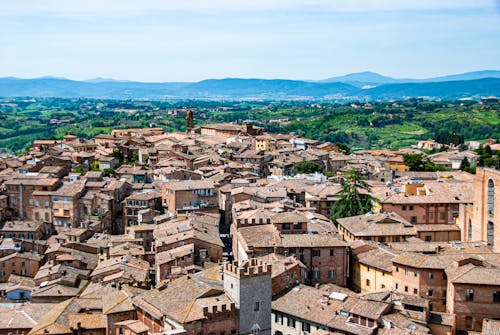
point(189, 121)
point(249, 285)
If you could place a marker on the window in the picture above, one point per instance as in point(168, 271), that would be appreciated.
point(415, 274)
point(397, 268)
point(406, 288)
point(382, 286)
point(429, 293)
point(30, 202)
point(442, 215)
point(278, 318)
point(469, 294)
point(406, 272)
point(256, 307)
point(431, 275)
point(413, 219)
point(331, 273)
point(290, 322)
point(428, 238)
point(297, 226)
point(468, 322)
point(496, 297)
point(316, 274)
point(332, 252)
point(403, 207)
point(411, 207)
point(368, 282)
point(316, 253)
point(415, 291)
point(491, 197)
point(286, 226)
point(368, 269)
point(397, 286)
point(306, 327)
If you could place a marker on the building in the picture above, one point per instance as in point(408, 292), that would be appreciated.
point(381, 227)
point(25, 264)
point(325, 256)
point(249, 285)
point(473, 293)
point(480, 221)
point(190, 195)
point(138, 201)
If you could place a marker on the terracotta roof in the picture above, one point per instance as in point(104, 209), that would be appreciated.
point(134, 325)
point(382, 224)
point(377, 258)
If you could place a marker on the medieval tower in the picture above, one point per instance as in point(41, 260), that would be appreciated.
point(249, 285)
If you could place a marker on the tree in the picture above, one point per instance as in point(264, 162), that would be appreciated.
point(308, 167)
point(354, 197)
point(414, 162)
point(464, 164)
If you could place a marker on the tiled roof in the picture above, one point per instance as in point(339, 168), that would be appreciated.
point(377, 258)
point(382, 224)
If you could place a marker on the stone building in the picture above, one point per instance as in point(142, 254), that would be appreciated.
point(248, 283)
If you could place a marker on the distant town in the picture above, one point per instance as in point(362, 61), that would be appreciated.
point(210, 220)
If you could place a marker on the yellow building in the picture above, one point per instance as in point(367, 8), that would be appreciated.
point(264, 143)
point(372, 270)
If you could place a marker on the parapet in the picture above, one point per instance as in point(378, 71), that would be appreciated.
point(250, 268)
point(219, 311)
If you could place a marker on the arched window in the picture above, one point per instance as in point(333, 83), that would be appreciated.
point(469, 230)
point(491, 197)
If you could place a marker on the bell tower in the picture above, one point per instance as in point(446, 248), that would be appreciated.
point(189, 121)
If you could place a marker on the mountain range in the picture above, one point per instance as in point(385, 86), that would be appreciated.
point(356, 86)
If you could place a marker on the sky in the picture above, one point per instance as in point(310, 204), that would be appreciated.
point(191, 40)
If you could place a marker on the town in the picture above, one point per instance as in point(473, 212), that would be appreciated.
point(228, 229)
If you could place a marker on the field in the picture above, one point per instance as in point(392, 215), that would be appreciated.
point(377, 125)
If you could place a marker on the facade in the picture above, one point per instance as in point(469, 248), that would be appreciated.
point(482, 219)
point(248, 283)
point(137, 202)
point(190, 195)
point(25, 264)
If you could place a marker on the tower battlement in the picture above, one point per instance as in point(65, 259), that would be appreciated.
point(249, 268)
point(219, 311)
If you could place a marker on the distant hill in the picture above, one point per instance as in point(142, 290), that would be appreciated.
point(361, 79)
point(357, 86)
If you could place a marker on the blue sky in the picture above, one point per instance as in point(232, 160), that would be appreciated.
point(189, 40)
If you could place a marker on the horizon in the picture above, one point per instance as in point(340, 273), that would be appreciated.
point(158, 41)
point(103, 79)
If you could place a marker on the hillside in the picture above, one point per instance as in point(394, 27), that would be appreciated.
point(235, 88)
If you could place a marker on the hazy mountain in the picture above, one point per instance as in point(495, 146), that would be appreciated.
point(235, 88)
point(361, 79)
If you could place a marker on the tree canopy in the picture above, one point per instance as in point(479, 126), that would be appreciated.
point(308, 167)
point(354, 197)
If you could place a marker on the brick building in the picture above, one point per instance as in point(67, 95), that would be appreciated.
point(139, 201)
point(190, 195)
point(21, 191)
point(381, 227)
point(480, 220)
point(25, 264)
